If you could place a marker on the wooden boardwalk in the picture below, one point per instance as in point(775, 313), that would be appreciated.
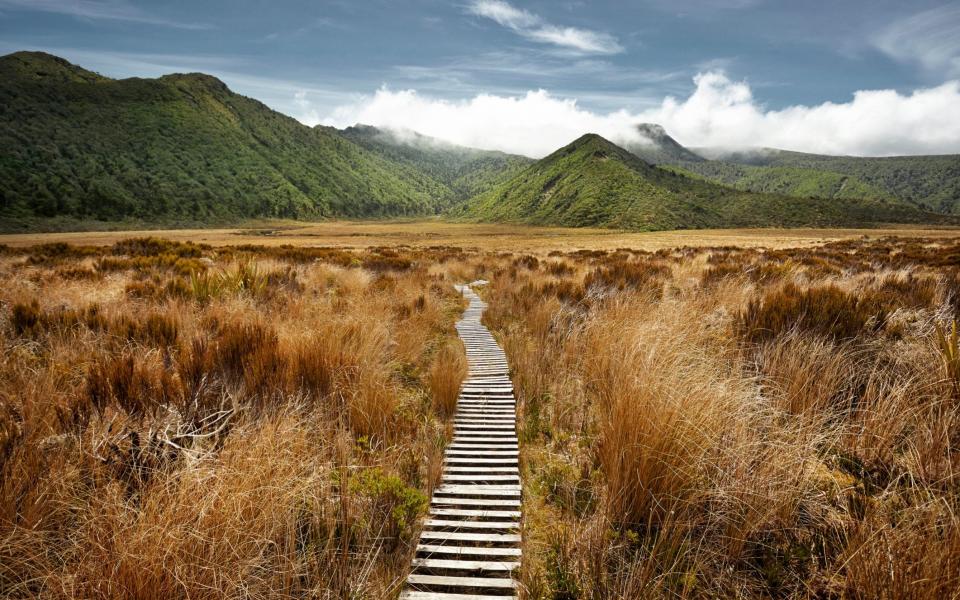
point(470, 542)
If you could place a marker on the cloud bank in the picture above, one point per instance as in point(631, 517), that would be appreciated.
point(719, 112)
point(534, 28)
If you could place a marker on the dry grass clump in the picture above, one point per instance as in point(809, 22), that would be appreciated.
point(447, 373)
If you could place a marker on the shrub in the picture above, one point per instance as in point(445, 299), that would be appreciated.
point(621, 275)
point(26, 318)
point(826, 310)
point(137, 386)
point(396, 507)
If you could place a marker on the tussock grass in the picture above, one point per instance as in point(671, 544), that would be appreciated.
point(249, 423)
point(447, 373)
point(183, 421)
point(734, 423)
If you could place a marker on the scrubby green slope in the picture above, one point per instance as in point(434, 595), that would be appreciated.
point(466, 172)
point(593, 182)
point(789, 181)
point(931, 182)
point(179, 148)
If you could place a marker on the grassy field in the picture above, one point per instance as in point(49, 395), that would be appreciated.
point(424, 233)
point(757, 414)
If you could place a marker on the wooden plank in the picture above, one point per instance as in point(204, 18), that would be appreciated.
point(421, 595)
point(502, 447)
point(478, 490)
point(496, 502)
point(480, 514)
point(462, 582)
point(472, 524)
point(459, 536)
point(467, 550)
point(507, 470)
point(466, 565)
point(493, 452)
point(480, 477)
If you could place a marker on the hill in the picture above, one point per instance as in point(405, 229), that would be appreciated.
point(178, 148)
point(465, 172)
point(931, 182)
point(593, 182)
point(928, 182)
point(789, 181)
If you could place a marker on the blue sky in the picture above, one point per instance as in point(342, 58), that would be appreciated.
point(397, 62)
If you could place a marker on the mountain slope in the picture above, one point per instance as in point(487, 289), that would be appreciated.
point(789, 181)
point(181, 147)
point(928, 181)
point(593, 182)
point(466, 172)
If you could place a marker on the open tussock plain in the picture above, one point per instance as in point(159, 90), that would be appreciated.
point(192, 421)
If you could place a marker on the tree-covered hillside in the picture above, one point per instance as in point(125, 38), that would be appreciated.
point(788, 181)
point(465, 171)
point(593, 182)
point(178, 148)
point(931, 182)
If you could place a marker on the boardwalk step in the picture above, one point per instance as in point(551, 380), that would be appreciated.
point(480, 566)
point(465, 582)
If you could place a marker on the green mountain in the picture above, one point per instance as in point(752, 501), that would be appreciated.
point(593, 182)
point(928, 182)
point(931, 182)
point(465, 172)
point(178, 148)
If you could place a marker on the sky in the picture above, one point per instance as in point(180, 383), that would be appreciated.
point(861, 77)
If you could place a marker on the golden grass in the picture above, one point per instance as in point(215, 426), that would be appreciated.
point(181, 420)
point(264, 436)
point(753, 424)
point(447, 373)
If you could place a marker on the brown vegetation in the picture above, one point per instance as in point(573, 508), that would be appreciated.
point(178, 420)
point(183, 422)
point(727, 422)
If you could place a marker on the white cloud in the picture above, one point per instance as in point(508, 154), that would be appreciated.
point(109, 10)
point(504, 13)
point(719, 112)
point(533, 27)
point(930, 38)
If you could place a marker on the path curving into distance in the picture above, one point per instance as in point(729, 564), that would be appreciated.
point(470, 542)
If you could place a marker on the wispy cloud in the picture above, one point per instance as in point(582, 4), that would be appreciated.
point(930, 38)
point(597, 81)
point(718, 112)
point(302, 30)
point(108, 10)
point(535, 28)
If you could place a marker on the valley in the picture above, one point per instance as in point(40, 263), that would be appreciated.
point(184, 150)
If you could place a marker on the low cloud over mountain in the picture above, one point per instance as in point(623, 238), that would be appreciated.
point(718, 112)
